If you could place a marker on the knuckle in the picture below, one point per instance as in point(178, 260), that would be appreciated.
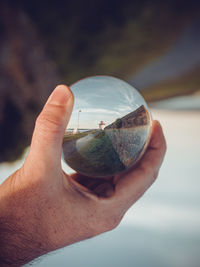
point(165, 146)
point(144, 169)
point(112, 223)
point(109, 224)
point(155, 174)
point(52, 114)
point(46, 122)
point(56, 106)
point(104, 219)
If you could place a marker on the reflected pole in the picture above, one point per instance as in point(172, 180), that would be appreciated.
point(78, 118)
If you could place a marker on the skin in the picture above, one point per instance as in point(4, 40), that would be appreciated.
point(43, 209)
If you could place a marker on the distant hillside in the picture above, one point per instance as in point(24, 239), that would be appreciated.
point(44, 43)
point(108, 37)
point(27, 77)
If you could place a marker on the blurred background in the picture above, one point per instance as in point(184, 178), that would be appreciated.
point(153, 45)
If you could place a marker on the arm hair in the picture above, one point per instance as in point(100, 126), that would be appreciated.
point(17, 247)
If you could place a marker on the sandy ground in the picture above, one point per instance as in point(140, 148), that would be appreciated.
point(162, 228)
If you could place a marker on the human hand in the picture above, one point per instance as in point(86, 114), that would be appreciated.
point(43, 209)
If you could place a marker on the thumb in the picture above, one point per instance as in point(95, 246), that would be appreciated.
point(50, 126)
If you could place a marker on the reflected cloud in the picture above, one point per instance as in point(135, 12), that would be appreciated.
point(103, 98)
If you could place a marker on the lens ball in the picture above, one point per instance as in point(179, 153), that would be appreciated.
point(109, 128)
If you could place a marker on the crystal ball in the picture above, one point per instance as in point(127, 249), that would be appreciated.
point(109, 128)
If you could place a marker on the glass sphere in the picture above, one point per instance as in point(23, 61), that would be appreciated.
point(109, 128)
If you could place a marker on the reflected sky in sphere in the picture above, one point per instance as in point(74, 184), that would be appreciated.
point(109, 128)
point(102, 97)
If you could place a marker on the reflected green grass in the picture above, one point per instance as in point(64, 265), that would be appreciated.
point(96, 157)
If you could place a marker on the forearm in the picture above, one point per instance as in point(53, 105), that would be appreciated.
point(32, 221)
point(20, 236)
point(16, 246)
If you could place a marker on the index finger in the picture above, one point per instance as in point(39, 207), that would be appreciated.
point(132, 185)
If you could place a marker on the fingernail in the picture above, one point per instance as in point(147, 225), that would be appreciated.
point(60, 95)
